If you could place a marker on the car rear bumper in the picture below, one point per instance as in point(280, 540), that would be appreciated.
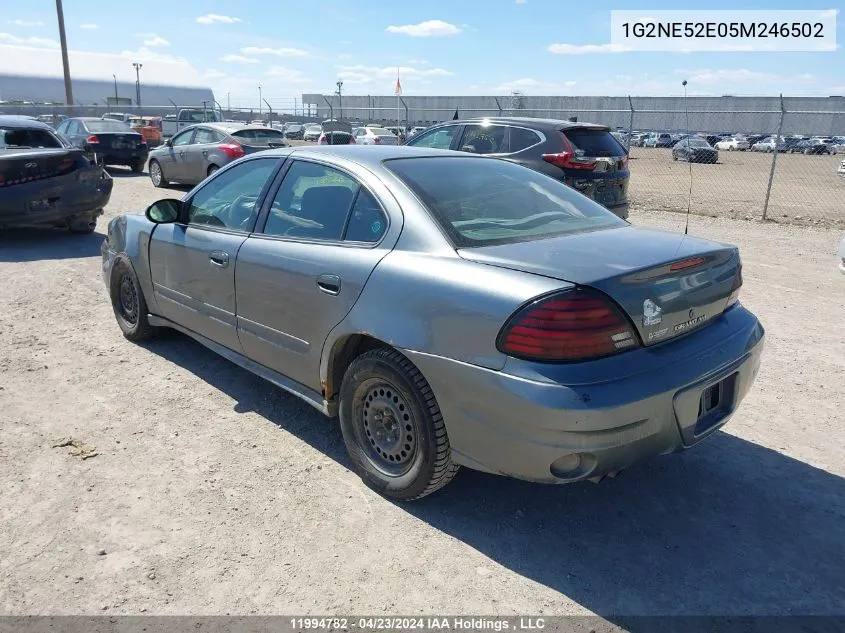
point(522, 424)
point(111, 156)
point(39, 203)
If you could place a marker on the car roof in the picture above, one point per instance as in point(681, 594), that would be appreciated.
point(224, 126)
point(543, 124)
point(366, 155)
point(22, 121)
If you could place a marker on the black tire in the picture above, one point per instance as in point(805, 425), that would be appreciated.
point(84, 225)
point(674, 156)
point(211, 170)
point(157, 175)
point(384, 384)
point(137, 167)
point(129, 305)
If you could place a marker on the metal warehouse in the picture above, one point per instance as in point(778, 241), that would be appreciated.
point(801, 115)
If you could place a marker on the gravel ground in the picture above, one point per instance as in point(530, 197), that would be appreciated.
point(186, 485)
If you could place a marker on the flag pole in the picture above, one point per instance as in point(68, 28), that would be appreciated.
point(398, 99)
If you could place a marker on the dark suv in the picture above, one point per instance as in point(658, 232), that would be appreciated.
point(583, 155)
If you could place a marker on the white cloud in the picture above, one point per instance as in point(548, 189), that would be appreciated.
point(287, 74)
point(156, 41)
point(429, 28)
point(585, 49)
point(344, 56)
point(361, 74)
point(211, 73)
point(418, 62)
point(533, 85)
point(278, 52)
point(211, 18)
point(238, 59)
point(521, 1)
point(25, 23)
point(38, 42)
point(89, 27)
point(742, 76)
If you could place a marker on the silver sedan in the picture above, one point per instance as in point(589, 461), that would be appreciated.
point(451, 309)
point(198, 151)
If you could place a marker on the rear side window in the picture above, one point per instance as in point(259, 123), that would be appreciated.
point(484, 139)
point(594, 142)
point(521, 139)
point(11, 138)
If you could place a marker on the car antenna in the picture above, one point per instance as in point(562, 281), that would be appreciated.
point(689, 162)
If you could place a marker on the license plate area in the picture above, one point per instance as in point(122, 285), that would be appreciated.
point(715, 404)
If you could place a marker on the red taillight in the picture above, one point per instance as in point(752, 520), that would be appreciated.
point(92, 140)
point(734, 296)
point(352, 140)
point(143, 141)
point(687, 263)
point(568, 158)
point(573, 325)
point(378, 140)
point(322, 140)
point(232, 150)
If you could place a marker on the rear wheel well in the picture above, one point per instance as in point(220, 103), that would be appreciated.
point(344, 351)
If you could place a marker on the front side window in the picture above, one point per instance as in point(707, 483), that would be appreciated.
point(440, 138)
point(481, 202)
point(229, 199)
point(484, 139)
point(319, 202)
point(183, 138)
point(204, 135)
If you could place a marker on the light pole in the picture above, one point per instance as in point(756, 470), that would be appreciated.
point(260, 102)
point(228, 104)
point(138, 68)
point(115, 88)
point(340, 96)
point(65, 63)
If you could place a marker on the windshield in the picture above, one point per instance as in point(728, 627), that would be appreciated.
point(105, 126)
point(694, 142)
point(15, 137)
point(259, 135)
point(484, 201)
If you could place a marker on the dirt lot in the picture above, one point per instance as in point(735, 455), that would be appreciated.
point(213, 492)
point(806, 189)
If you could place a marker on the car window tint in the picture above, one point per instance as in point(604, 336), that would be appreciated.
point(15, 137)
point(204, 135)
point(367, 222)
point(107, 126)
point(484, 139)
point(312, 202)
point(259, 135)
point(596, 142)
point(483, 202)
point(183, 138)
point(440, 138)
point(521, 139)
point(228, 200)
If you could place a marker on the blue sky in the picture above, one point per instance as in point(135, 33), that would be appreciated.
point(441, 46)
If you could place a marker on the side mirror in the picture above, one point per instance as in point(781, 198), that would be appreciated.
point(169, 142)
point(164, 211)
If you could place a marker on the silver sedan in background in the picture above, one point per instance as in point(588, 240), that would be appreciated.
point(200, 150)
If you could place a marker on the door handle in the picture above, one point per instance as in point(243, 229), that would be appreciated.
point(330, 284)
point(219, 258)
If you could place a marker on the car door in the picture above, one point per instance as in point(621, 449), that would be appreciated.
point(192, 262)
point(322, 233)
point(197, 151)
point(444, 137)
point(173, 157)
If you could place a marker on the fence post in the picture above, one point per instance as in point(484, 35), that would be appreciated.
point(405, 105)
point(630, 122)
point(331, 109)
point(498, 105)
point(774, 160)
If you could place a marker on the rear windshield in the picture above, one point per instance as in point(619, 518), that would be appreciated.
point(15, 138)
point(594, 142)
point(484, 201)
point(259, 135)
point(106, 126)
point(380, 131)
point(694, 142)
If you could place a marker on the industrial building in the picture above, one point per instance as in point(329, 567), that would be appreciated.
point(801, 115)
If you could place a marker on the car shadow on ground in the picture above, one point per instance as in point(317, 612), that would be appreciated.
point(116, 171)
point(35, 244)
point(730, 527)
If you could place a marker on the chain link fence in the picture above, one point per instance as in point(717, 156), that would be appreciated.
point(788, 163)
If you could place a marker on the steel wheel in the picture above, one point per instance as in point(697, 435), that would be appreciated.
point(386, 427)
point(155, 174)
point(127, 303)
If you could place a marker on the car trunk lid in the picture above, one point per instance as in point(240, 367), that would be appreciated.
point(667, 284)
point(111, 140)
point(26, 165)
